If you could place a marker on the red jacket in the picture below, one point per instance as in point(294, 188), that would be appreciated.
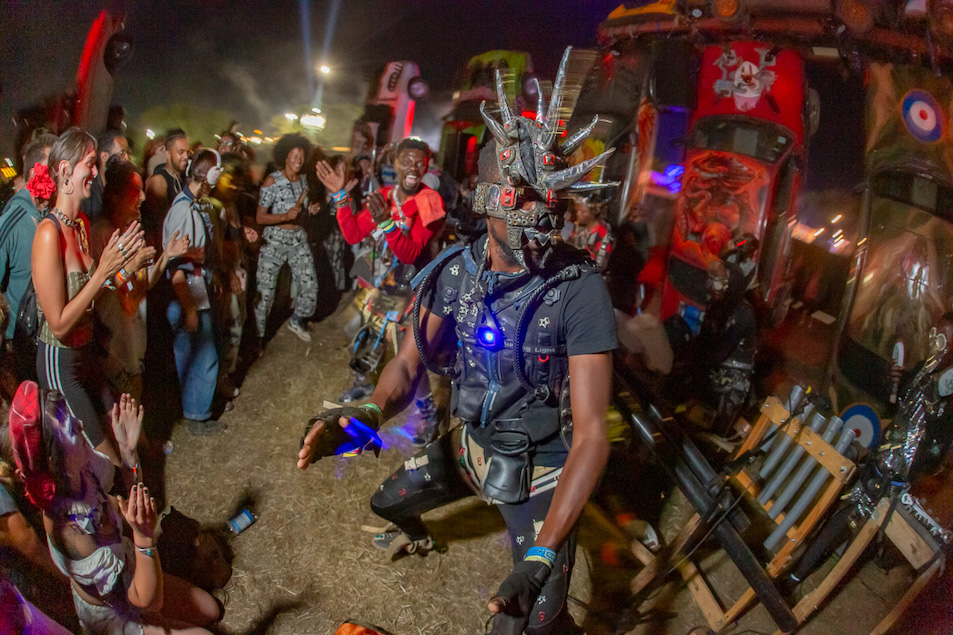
point(418, 219)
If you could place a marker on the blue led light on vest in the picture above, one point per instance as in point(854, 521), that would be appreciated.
point(489, 337)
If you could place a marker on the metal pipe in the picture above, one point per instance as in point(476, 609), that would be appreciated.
point(846, 436)
point(787, 494)
point(777, 479)
point(699, 466)
point(780, 449)
point(791, 405)
point(794, 399)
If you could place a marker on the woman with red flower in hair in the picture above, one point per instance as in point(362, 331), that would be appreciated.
point(67, 281)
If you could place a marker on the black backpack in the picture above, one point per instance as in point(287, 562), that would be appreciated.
point(26, 331)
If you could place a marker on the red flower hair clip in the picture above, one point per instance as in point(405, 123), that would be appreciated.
point(41, 185)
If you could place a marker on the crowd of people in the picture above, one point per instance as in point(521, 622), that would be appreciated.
point(109, 269)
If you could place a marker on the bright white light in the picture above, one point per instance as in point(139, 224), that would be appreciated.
point(290, 116)
point(255, 140)
point(324, 69)
point(313, 121)
point(315, 110)
point(836, 218)
point(150, 134)
point(818, 232)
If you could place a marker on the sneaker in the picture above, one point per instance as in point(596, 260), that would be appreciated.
point(397, 543)
point(299, 328)
point(227, 389)
point(205, 428)
point(357, 392)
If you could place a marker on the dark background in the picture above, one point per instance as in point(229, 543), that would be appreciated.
point(248, 57)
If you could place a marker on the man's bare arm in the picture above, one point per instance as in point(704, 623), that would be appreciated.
point(589, 393)
point(396, 387)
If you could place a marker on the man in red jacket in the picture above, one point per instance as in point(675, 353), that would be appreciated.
point(406, 216)
point(401, 222)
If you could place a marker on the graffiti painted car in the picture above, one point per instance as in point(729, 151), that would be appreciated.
point(464, 132)
point(902, 281)
point(742, 171)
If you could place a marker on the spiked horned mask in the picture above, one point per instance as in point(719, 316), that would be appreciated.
point(533, 167)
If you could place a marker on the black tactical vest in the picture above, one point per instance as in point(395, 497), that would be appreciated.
point(486, 389)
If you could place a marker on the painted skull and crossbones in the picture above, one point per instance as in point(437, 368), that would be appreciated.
point(744, 80)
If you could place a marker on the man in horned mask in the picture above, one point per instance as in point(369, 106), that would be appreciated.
point(510, 317)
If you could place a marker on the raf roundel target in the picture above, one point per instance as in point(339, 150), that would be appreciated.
point(864, 421)
point(923, 116)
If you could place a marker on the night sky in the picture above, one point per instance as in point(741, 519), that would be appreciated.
point(248, 57)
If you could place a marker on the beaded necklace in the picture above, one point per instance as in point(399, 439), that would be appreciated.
point(73, 224)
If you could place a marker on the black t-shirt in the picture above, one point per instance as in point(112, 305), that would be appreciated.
point(585, 322)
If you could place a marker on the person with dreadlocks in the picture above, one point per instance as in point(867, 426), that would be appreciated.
point(517, 313)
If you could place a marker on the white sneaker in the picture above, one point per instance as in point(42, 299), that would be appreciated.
point(299, 329)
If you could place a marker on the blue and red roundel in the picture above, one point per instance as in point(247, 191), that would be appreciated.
point(923, 116)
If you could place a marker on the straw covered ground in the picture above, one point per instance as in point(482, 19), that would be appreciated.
point(306, 566)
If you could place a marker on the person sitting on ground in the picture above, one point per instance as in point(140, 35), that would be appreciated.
point(117, 583)
point(24, 558)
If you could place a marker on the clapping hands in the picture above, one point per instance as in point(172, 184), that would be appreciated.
point(127, 426)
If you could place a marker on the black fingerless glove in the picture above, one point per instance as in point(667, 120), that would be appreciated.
point(519, 591)
point(360, 434)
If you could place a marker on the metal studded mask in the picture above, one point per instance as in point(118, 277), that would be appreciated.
point(535, 177)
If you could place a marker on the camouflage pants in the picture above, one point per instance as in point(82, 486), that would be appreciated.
point(281, 246)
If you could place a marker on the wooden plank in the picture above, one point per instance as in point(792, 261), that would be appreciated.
point(704, 598)
point(826, 455)
point(887, 622)
point(914, 548)
point(739, 607)
point(810, 602)
point(665, 558)
point(772, 411)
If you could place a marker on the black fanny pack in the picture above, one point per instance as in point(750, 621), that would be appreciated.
point(509, 471)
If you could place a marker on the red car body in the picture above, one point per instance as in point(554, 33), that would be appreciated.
point(742, 170)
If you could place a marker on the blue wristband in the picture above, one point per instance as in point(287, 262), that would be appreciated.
point(541, 554)
point(339, 196)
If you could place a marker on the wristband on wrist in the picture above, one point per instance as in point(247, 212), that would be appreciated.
point(147, 551)
point(541, 554)
point(373, 406)
point(339, 196)
point(379, 414)
point(387, 225)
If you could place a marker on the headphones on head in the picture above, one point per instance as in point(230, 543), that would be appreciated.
point(214, 172)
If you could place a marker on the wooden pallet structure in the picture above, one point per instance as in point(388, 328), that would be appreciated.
point(803, 475)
